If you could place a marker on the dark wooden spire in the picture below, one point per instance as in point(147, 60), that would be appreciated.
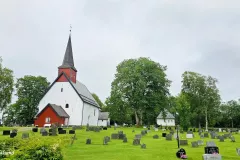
point(68, 58)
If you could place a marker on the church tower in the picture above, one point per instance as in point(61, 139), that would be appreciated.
point(68, 64)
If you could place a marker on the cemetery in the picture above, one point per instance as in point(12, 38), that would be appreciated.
point(110, 144)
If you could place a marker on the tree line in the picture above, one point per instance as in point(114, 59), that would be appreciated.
point(139, 92)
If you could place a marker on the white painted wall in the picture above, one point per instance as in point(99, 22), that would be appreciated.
point(167, 122)
point(89, 116)
point(103, 123)
point(68, 96)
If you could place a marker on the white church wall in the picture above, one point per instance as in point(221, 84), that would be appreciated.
point(67, 96)
point(102, 123)
point(89, 116)
point(167, 122)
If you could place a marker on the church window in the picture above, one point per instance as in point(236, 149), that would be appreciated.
point(47, 120)
point(94, 112)
point(67, 106)
point(61, 89)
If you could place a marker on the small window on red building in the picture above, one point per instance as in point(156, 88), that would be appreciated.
point(47, 120)
point(67, 106)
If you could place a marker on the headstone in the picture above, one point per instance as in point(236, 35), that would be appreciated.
point(136, 142)
point(143, 133)
point(107, 138)
point(138, 136)
point(59, 129)
point(35, 129)
point(133, 131)
point(211, 148)
point(121, 136)
point(120, 132)
point(201, 136)
point(115, 136)
point(221, 139)
point(50, 130)
point(232, 139)
point(171, 132)
point(155, 137)
point(189, 136)
point(125, 140)
point(212, 157)
point(143, 146)
point(220, 130)
point(105, 141)
point(164, 134)
point(190, 132)
point(104, 128)
point(6, 132)
point(200, 142)
point(54, 130)
point(71, 131)
point(238, 151)
point(42, 130)
point(12, 135)
point(206, 135)
point(175, 135)
point(211, 144)
point(169, 137)
point(14, 131)
point(194, 144)
point(181, 153)
point(25, 135)
point(96, 129)
point(183, 142)
point(88, 141)
point(62, 132)
point(45, 133)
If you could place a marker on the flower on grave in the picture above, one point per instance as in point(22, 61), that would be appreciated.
point(183, 156)
point(215, 153)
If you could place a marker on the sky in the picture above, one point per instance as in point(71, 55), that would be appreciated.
point(187, 35)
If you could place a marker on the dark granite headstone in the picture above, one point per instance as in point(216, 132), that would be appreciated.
point(138, 136)
point(105, 141)
point(59, 129)
point(211, 148)
point(194, 144)
point(181, 152)
point(45, 133)
point(164, 134)
point(155, 137)
point(221, 139)
point(104, 128)
point(12, 135)
point(35, 129)
point(50, 130)
point(206, 135)
point(136, 142)
point(183, 142)
point(143, 146)
point(88, 141)
point(169, 137)
point(115, 136)
point(71, 131)
point(121, 136)
point(42, 130)
point(62, 132)
point(6, 132)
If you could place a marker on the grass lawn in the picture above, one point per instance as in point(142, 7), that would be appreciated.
point(156, 148)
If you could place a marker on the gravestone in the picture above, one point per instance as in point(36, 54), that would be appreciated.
point(50, 130)
point(120, 132)
point(115, 136)
point(212, 157)
point(164, 134)
point(221, 139)
point(169, 137)
point(62, 132)
point(42, 130)
point(219, 129)
point(96, 129)
point(14, 131)
point(6, 132)
point(189, 136)
point(201, 136)
point(206, 135)
point(175, 135)
point(143, 146)
point(211, 148)
point(143, 133)
point(105, 141)
point(125, 140)
point(138, 136)
point(213, 135)
point(133, 131)
point(189, 132)
point(171, 132)
point(35, 129)
point(155, 137)
point(183, 142)
point(45, 133)
point(200, 142)
point(88, 141)
point(59, 129)
point(71, 131)
point(238, 151)
point(232, 139)
point(12, 135)
point(54, 130)
point(25, 135)
point(121, 136)
point(104, 128)
point(136, 142)
point(194, 144)
point(180, 153)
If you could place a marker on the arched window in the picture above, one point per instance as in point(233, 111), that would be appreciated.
point(66, 106)
point(94, 112)
point(61, 89)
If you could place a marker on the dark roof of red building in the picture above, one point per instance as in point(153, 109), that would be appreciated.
point(57, 109)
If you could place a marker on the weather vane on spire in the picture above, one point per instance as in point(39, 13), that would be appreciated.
point(70, 28)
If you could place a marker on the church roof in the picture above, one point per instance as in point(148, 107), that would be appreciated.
point(57, 109)
point(68, 57)
point(168, 116)
point(103, 115)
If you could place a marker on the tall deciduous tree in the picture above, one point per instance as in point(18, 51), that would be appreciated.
point(142, 86)
point(6, 86)
point(97, 99)
point(202, 94)
point(30, 90)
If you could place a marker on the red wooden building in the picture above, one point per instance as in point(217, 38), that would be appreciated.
point(51, 114)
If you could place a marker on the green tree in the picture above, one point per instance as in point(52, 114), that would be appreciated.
point(142, 86)
point(6, 86)
point(202, 94)
point(97, 99)
point(30, 90)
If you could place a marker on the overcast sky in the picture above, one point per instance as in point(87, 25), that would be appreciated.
point(201, 36)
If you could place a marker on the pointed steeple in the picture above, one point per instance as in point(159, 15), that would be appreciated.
point(68, 57)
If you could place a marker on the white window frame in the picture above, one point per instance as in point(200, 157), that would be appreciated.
point(47, 120)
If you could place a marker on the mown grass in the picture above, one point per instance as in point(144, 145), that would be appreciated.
point(156, 148)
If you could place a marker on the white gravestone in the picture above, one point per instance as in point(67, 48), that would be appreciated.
point(220, 130)
point(212, 157)
point(189, 136)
